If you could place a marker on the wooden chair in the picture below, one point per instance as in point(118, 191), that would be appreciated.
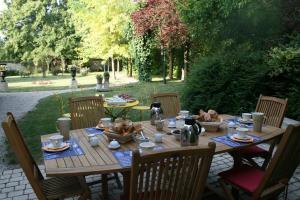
point(170, 103)
point(54, 188)
point(274, 110)
point(267, 184)
point(172, 174)
point(86, 111)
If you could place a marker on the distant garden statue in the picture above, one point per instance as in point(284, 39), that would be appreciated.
point(106, 81)
point(99, 85)
point(3, 83)
point(73, 84)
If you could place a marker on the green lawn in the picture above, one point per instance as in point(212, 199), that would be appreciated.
point(42, 119)
point(38, 83)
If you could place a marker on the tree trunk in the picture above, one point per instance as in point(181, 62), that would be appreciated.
point(63, 64)
point(130, 67)
point(113, 67)
point(171, 63)
point(186, 61)
point(108, 64)
point(118, 65)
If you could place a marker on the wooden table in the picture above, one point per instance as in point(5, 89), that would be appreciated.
point(123, 109)
point(101, 160)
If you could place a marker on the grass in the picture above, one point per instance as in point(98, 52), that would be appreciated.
point(42, 120)
point(38, 83)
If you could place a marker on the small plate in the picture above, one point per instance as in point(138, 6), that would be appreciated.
point(147, 145)
point(250, 121)
point(114, 147)
point(174, 126)
point(238, 139)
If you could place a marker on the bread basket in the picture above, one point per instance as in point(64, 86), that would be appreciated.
point(120, 138)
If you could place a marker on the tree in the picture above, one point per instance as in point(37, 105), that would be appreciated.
point(39, 31)
point(161, 17)
point(103, 24)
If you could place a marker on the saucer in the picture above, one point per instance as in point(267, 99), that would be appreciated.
point(171, 126)
point(147, 145)
point(114, 147)
point(247, 138)
point(50, 147)
point(249, 121)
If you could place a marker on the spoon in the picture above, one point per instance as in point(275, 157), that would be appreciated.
point(142, 134)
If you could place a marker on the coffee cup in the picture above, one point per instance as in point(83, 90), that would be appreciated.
point(56, 140)
point(241, 132)
point(158, 137)
point(106, 122)
point(246, 116)
point(184, 113)
point(172, 122)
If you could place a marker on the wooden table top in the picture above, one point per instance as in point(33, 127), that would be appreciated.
point(100, 159)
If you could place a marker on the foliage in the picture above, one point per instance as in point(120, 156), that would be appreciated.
point(106, 75)
point(162, 18)
point(38, 31)
point(228, 84)
point(102, 23)
point(99, 77)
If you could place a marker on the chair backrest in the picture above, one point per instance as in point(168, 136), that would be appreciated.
point(283, 164)
point(23, 155)
point(170, 103)
point(86, 111)
point(273, 108)
point(172, 174)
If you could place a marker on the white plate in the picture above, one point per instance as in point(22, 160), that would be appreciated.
point(174, 126)
point(237, 136)
point(114, 147)
point(50, 146)
point(147, 145)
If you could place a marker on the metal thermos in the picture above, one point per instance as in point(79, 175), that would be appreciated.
point(190, 132)
point(156, 112)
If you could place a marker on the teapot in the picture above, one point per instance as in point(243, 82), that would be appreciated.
point(190, 132)
point(156, 112)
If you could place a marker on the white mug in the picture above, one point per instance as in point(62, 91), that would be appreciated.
point(241, 132)
point(158, 137)
point(246, 116)
point(56, 140)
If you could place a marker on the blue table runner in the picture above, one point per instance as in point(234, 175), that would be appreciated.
point(94, 130)
point(73, 150)
point(225, 139)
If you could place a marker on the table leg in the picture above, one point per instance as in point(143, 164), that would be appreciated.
point(126, 183)
point(104, 186)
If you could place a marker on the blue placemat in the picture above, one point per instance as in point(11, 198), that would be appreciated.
point(125, 157)
point(225, 139)
point(74, 150)
point(93, 130)
point(237, 123)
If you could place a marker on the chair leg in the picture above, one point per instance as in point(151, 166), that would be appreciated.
point(118, 181)
point(104, 186)
point(228, 194)
point(286, 192)
point(85, 195)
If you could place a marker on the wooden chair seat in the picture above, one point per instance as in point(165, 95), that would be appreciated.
point(60, 187)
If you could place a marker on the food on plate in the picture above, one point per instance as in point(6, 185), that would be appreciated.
point(127, 97)
point(209, 116)
point(125, 127)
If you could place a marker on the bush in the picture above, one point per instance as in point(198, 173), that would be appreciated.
point(229, 83)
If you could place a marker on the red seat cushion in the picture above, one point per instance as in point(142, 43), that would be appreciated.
point(253, 151)
point(245, 177)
